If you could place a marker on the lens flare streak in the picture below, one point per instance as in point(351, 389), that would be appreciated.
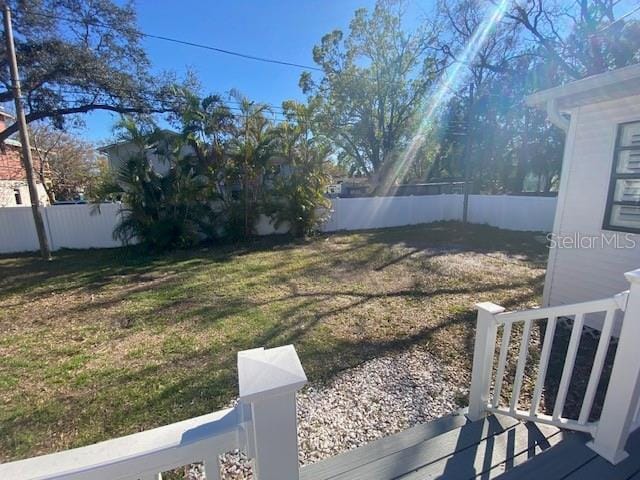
point(451, 79)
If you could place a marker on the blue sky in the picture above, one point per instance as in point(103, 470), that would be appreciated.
point(283, 29)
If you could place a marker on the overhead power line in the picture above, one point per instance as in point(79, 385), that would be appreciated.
point(276, 112)
point(192, 44)
point(153, 93)
point(607, 27)
point(225, 51)
point(196, 45)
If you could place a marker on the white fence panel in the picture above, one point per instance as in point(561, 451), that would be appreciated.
point(513, 212)
point(382, 212)
point(82, 226)
point(503, 211)
point(370, 212)
point(17, 230)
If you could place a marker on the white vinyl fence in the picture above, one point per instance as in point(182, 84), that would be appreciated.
point(502, 211)
point(67, 226)
point(89, 226)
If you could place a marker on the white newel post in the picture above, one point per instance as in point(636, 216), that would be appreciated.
point(484, 348)
point(269, 380)
point(623, 391)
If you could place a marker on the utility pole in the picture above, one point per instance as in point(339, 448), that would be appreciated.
point(245, 192)
point(24, 137)
point(467, 157)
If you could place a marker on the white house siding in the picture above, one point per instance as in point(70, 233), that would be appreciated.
point(119, 154)
point(8, 193)
point(580, 274)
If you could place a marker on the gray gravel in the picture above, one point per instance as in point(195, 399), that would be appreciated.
point(378, 398)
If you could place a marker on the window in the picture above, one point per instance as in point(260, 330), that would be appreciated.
point(623, 202)
point(16, 193)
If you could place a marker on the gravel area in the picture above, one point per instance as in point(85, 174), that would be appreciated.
point(378, 398)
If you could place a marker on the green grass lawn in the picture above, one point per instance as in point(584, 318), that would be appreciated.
point(103, 343)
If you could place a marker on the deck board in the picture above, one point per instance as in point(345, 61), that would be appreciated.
point(499, 469)
point(416, 456)
point(598, 468)
point(555, 463)
point(383, 447)
point(495, 448)
point(491, 457)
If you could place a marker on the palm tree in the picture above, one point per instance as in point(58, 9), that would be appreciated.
point(251, 148)
point(166, 210)
point(299, 198)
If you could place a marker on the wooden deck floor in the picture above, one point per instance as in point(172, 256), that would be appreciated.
point(452, 448)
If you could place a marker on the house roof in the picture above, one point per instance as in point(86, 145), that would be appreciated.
point(107, 148)
point(611, 85)
point(12, 142)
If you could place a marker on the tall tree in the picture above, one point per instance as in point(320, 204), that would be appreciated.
point(67, 165)
point(374, 80)
point(76, 57)
point(506, 140)
point(580, 37)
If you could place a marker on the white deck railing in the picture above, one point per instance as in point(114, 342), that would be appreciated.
point(263, 424)
point(620, 412)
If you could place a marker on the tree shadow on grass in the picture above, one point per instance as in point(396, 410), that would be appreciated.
point(93, 269)
point(196, 383)
point(469, 238)
point(188, 383)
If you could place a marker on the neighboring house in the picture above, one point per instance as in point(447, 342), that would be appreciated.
point(13, 178)
point(349, 187)
point(597, 223)
point(431, 188)
point(120, 152)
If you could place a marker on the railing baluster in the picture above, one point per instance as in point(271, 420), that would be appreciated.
point(212, 468)
point(502, 361)
point(596, 370)
point(544, 364)
point(569, 362)
point(151, 476)
point(522, 360)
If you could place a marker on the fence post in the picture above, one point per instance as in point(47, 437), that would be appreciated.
point(484, 348)
point(269, 380)
point(623, 391)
